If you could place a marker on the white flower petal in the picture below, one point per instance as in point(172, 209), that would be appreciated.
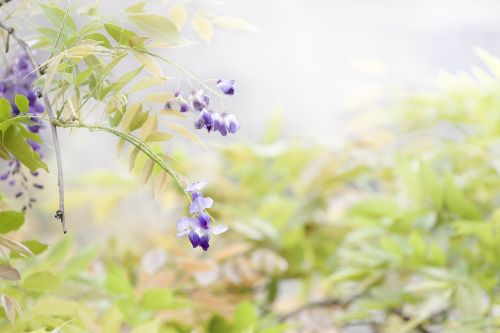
point(186, 223)
point(196, 186)
point(219, 229)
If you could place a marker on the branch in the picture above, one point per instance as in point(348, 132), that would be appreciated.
point(60, 179)
point(136, 142)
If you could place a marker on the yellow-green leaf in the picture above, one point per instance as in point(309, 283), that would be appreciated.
point(203, 27)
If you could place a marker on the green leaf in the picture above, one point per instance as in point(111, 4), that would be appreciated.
point(10, 221)
point(157, 299)
point(41, 281)
point(158, 136)
point(218, 324)
point(22, 103)
point(5, 109)
point(16, 143)
point(137, 8)
point(138, 120)
point(147, 83)
point(117, 281)
point(458, 203)
point(245, 316)
point(126, 78)
point(122, 35)
point(99, 38)
point(431, 185)
point(157, 27)
point(149, 327)
point(35, 246)
point(80, 261)
point(56, 15)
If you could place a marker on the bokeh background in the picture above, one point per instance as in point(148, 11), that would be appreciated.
point(353, 184)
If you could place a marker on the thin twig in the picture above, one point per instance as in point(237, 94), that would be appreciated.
point(60, 179)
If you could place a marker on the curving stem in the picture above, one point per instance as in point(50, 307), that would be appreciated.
point(40, 71)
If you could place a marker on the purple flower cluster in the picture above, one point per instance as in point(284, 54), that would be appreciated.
point(224, 123)
point(17, 79)
point(197, 227)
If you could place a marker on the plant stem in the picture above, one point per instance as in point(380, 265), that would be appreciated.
point(136, 142)
point(60, 178)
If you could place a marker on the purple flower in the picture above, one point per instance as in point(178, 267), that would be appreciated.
point(180, 101)
point(197, 234)
point(196, 186)
point(199, 121)
point(204, 220)
point(5, 175)
point(199, 203)
point(233, 123)
point(199, 100)
point(194, 238)
point(204, 120)
point(226, 86)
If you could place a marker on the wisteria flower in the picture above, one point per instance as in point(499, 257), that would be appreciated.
point(200, 203)
point(196, 186)
point(199, 100)
point(227, 123)
point(198, 230)
point(178, 100)
point(226, 86)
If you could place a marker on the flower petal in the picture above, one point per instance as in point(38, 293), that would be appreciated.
point(196, 186)
point(219, 229)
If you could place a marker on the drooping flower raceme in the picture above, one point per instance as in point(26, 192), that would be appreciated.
point(198, 226)
point(224, 123)
point(17, 79)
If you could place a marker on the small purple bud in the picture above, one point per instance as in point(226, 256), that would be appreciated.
point(226, 86)
point(5, 175)
point(194, 238)
point(184, 106)
point(199, 122)
point(204, 242)
point(32, 96)
point(199, 100)
point(207, 119)
point(223, 124)
point(204, 220)
point(195, 195)
point(12, 182)
point(233, 122)
point(37, 107)
point(36, 147)
point(217, 121)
